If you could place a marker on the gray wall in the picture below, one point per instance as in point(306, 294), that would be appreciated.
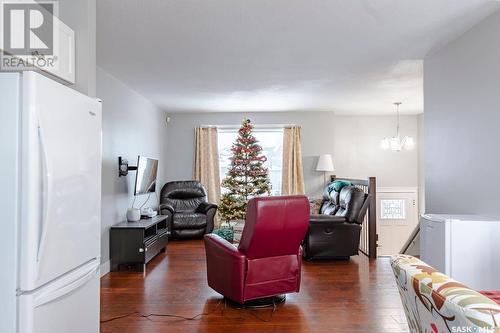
point(354, 142)
point(131, 126)
point(462, 123)
point(421, 165)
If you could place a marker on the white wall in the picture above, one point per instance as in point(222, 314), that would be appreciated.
point(462, 123)
point(131, 126)
point(354, 142)
point(80, 15)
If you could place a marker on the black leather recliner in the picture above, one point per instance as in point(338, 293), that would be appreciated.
point(335, 232)
point(186, 203)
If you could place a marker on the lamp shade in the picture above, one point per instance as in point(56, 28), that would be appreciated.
point(325, 163)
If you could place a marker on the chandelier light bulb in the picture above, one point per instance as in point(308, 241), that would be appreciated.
point(384, 144)
point(409, 143)
point(395, 143)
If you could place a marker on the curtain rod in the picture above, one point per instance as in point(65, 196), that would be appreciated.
point(255, 126)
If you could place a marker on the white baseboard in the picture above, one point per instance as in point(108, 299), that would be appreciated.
point(105, 268)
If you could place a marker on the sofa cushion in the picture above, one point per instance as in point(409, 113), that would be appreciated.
point(328, 208)
point(493, 295)
point(184, 205)
point(315, 205)
point(183, 195)
point(183, 189)
point(189, 220)
point(330, 203)
point(433, 302)
point(187, 233)
point(350, 203)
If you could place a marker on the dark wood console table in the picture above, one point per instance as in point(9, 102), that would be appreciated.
point(134, 244)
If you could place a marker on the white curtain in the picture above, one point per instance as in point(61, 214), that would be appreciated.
point(206, 162)
point(293, 175)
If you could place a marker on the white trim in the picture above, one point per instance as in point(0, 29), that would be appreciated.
point(397, 189)
point(255, 130)
point(105, 268)
point(256, 126)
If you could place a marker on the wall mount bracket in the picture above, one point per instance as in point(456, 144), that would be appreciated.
point(123, 167)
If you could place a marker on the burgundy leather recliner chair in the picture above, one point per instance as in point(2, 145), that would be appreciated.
point(267, 261)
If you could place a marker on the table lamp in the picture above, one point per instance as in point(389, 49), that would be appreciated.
point(325, 164)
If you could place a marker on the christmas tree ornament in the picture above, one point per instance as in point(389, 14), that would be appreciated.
point(247, 177)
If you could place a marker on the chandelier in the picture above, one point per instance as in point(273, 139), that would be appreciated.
point(397, 143)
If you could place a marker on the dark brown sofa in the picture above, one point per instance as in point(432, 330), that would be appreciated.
point(334, 232)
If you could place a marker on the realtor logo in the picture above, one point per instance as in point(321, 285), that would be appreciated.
point(28, 28)
point(28, 34)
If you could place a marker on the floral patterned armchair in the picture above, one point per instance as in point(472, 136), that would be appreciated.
point(435, 303)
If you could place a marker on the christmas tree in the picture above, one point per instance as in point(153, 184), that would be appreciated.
point(247, 176)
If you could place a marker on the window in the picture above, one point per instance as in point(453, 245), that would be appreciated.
point(392, 209)
point(271, 141)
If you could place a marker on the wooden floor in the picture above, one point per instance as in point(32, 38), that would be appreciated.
point(336, 296)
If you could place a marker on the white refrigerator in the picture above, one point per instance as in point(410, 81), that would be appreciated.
point(464, 247)
point(50, 197)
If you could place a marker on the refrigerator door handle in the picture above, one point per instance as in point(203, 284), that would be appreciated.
point(52, 295)
point(47, 188)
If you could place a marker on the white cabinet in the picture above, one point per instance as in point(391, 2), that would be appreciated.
point(64, 53)
point(464, 247)
point(60, 63)
point(64, 50)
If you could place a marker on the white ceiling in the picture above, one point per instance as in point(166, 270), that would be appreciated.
point(346, 56)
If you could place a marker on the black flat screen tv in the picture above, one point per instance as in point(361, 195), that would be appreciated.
point(145, 180)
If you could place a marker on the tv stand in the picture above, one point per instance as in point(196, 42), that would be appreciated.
point(134, 244)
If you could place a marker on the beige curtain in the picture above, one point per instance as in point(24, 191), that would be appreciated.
point(293, 176)
point(206, 162)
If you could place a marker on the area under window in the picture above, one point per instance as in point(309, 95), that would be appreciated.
point(271, 141)
point(392, 209)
